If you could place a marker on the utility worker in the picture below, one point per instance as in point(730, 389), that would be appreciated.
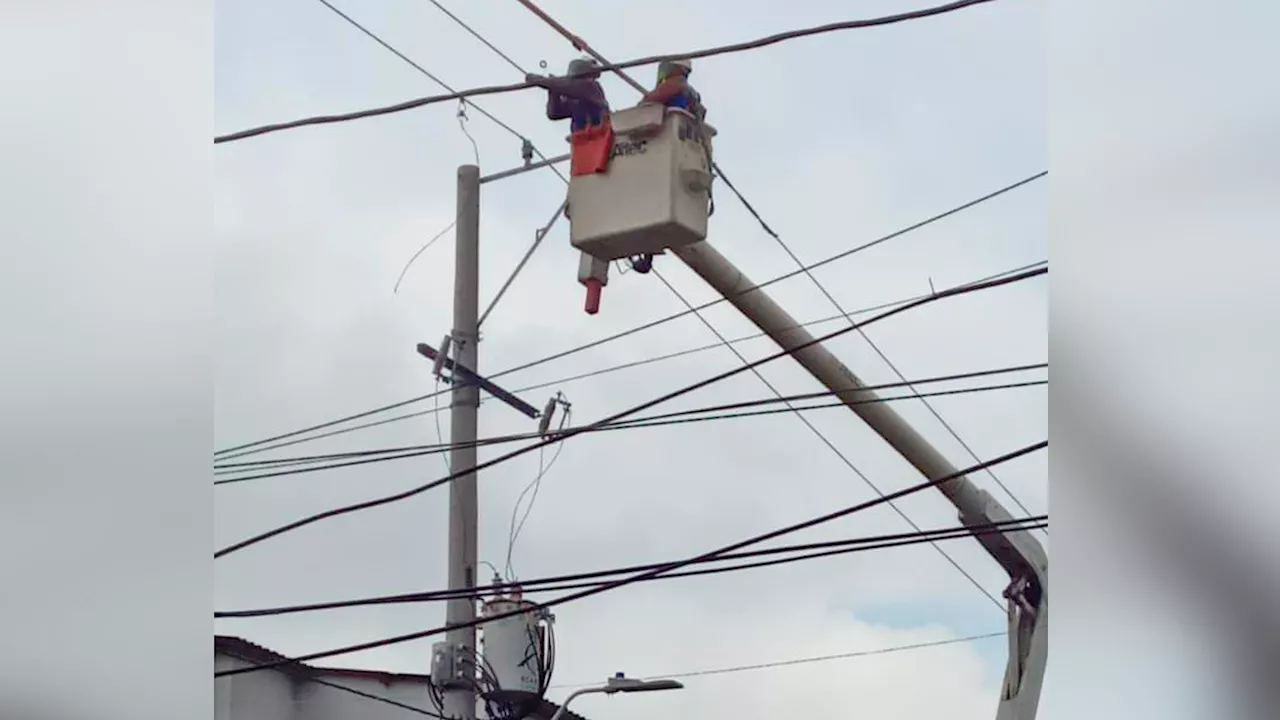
point(673, 90)
point(579, 97)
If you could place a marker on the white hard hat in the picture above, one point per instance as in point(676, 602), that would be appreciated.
point(666, 67)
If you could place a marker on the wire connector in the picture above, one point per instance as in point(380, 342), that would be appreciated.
point(549, 411)
point(437, 368)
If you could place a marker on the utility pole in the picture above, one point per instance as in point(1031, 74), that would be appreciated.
point(460, 698)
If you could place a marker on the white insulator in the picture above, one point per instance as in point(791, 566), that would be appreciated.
point(441, 356)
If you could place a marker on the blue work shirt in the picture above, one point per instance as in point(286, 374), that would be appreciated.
point(688, 100)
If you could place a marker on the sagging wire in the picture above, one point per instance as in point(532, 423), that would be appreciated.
point(439, 430)
point(513, 534)
point(462, 125)
point(421, 250)
point(437, 372)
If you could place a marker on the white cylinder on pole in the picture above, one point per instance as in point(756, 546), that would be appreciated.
point(512, 646)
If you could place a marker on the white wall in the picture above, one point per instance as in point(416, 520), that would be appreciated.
point(320, 702)
point(272, 695)
point(266, 695)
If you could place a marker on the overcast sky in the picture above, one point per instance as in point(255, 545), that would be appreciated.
point(837, 140)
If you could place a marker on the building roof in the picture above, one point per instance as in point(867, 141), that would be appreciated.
point(245, 650)
point(254, 653)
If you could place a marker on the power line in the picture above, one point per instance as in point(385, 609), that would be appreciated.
point(514, 532)
point(705, 409)
point(819, 658)
point(828, 548)
point(623, 366)
point(373, 36)
point(639, 423)
point(650, 60)
point(479, 37)
point(892, 366)
point(779, 278)
point(421, 250)
point(669, 318)
point(671, 567)
point(335, 512)
point(824, 439)
point(662, 420)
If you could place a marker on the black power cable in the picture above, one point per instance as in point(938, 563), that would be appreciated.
point(671, 567)
point(654, 323)
point(573, 581)
point(335, 512)
point(258, 449)
point(820, 658)
point(276, 462)
point(692, 55)
point(369, 457)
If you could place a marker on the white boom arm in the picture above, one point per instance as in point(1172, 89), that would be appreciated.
point(1018, 552)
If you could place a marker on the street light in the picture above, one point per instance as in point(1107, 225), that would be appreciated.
point(619, 683)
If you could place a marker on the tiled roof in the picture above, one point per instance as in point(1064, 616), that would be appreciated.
point(245, 650)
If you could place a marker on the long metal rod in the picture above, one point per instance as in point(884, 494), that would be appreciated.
point(538, 236)
point(524, 168)
point(579, 44)
point(460, 702)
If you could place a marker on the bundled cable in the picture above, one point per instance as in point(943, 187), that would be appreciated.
point(663, 570)
point(413, 492)
point(258, 445)
point(792, 553)
point(314, 463)
point(653, 59)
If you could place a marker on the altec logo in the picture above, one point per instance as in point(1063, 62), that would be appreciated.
point(629, 147)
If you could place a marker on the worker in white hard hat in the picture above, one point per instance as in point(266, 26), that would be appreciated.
point(577, 97)
point(673, 88)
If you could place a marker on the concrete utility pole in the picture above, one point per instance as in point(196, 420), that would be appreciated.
point(460, 699)
point(1018, 552)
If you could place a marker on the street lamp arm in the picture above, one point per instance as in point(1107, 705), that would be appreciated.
point(564, 706)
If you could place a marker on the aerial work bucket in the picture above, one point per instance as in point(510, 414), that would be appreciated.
point(655, 192)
